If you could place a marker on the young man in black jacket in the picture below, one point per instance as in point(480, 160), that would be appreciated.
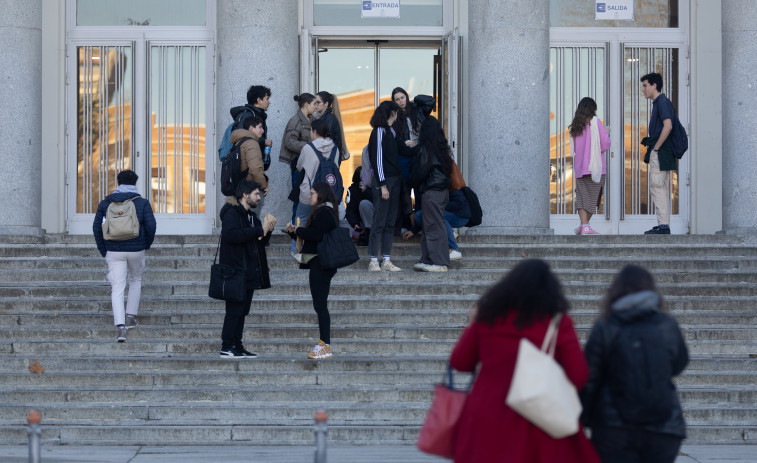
point(243, 240)
point(258, 100)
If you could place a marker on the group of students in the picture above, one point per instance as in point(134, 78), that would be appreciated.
point(624, 373)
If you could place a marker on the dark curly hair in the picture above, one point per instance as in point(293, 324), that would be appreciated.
point(530, 290)
point(631, 279)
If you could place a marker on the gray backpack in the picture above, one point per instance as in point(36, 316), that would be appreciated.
point(121, 221)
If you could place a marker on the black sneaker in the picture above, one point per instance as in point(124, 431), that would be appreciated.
point(246, 353)
point(232, 353)
point(659, 230)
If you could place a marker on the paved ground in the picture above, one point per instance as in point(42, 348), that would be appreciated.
point(243, 454)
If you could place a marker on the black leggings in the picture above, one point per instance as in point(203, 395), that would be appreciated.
point(320, 284)
point(233, 322)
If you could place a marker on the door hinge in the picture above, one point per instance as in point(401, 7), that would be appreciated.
point(688, 179)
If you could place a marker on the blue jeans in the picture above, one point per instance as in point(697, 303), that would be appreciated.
point(451, 221)
point(295, 174)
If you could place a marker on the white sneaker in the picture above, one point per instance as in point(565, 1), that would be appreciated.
point(389, 266)
point(435, 268)
point(455, 254)
point(374, 266)
point(420, 266)
point(297, 256)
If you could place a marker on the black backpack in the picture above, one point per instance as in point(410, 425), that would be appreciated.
point(640, 371)
point(231, 169)
point(679, 142)
point(328, 172)
point(477, 214)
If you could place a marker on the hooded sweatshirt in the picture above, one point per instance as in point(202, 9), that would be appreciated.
point(309, 162)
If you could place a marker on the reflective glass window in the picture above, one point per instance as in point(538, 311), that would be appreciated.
point(348, 13)
point(581, 13)
point(140, 13)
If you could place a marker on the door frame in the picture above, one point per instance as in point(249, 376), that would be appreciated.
point(614, 221)
point(139, 37)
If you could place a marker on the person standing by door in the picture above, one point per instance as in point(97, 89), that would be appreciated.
point(243, 240)
point(125, 257)
point(327, 106)
point(588, 139)
point(251, 156)
point(382, 146)
point(296, 136)
point(659, 154)
point(258, 101)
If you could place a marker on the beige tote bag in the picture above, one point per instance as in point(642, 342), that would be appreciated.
point(540, 391)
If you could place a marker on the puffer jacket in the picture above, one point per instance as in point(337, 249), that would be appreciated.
point(296, 136)
point(243, 243)
point(596, 397)
point(147, 225)
point(252, 157)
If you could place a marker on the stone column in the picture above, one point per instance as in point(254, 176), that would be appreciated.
point(20, 118)
point(258, 44)
point(508, 131)
point(739, 23)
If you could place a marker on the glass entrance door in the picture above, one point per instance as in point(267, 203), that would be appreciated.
point(609, 73)
point(363, 74)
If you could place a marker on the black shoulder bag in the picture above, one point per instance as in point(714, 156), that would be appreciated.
point(227, 283)
point(336, 249)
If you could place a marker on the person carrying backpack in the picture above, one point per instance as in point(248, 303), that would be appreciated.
point(633, 352)
point(124, 227)
point(250, 155)
point(320, 150)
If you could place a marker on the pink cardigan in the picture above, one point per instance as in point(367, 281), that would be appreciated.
point(583, 151)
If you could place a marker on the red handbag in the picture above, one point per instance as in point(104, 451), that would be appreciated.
point(437, 435)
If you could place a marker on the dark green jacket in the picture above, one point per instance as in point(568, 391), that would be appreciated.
point(667, 159)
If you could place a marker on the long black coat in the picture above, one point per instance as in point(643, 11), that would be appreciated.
point(240, 243)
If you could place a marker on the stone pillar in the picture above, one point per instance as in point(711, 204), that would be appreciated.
point(739, 23)
point(508, 133)
point(20, 118)
point(258, 44)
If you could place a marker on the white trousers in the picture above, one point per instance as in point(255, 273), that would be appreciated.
point(123, 267)
point(659, 188)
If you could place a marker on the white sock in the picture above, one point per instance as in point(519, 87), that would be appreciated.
point(386, 259)
point(374, 259)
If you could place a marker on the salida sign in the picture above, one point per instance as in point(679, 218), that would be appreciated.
point(614, 10)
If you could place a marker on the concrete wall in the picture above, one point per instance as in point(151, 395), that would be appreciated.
point(705, 134)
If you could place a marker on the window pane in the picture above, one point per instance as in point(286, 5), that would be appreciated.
point(140, 13)
point(177, 95)
point(580, 13)
point(348, 12)
point(103, 127)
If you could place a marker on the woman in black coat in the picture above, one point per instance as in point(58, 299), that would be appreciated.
point(430, 179)
point(323, 218)
point(634, 351)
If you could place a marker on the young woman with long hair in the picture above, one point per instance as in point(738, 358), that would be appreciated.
point(634, 351)
point(323, 218)
point(430, 177)
point(521, 305)
point(382, 149)
point(296, 136)
point(327, 105)
point(588, 140)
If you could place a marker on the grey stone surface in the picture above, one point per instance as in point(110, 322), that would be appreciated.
point(21, 99)
point(258, 45)
point(335, 454)
point(739, 23)
point(509, 114)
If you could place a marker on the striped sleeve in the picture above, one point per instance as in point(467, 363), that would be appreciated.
point(380, 155)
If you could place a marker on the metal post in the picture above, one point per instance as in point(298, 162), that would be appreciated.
point(321, 434)
point(34, 430)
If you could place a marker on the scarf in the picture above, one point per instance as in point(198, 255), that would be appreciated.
point(595, 162)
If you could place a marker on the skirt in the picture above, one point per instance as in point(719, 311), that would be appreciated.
point(588, 193)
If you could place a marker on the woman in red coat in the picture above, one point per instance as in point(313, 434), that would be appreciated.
point(520, 305)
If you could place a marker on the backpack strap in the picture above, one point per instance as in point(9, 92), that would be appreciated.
point(242, 140)
point(332, 156)
point(317, 152)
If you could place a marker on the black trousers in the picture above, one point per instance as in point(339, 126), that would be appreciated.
point(233, 322)
point(621, 445)
point(320, 284)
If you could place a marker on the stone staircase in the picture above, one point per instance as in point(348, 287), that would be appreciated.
point(392, 334)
